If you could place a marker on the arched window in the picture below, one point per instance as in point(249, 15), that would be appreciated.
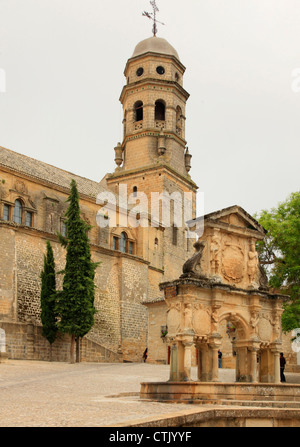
point(18, 211)
point(160, 111)
point(138, 108)
point(174, 234)
point(123, 242)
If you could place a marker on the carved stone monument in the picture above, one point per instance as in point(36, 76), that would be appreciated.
point(223, 281)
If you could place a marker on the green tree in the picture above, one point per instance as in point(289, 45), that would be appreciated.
point(75, 302)
point(48, 298)
point(280, 254)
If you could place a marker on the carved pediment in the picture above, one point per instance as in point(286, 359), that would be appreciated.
point(230, 254)
point(235, 216)
point(234, 219)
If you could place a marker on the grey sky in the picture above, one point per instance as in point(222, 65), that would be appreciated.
point(64, 62)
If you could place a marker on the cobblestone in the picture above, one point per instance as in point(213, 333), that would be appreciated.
point(52, 394)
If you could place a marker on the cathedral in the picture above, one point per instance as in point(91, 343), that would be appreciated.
point(152, 162)
point(142, 218)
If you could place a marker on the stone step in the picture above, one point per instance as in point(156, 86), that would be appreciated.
point(253, 403)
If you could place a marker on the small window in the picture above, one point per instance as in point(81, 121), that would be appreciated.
point(64, 229)
point(138, 111)
point(174, 235)
point(29, 219)
point(140, 71)
point(131, 248)
point(115, 243)
point(160, 70)
point(134, 191)
point(123, 242)
point(6, 212)
point(156, 243)
point(18, 212)
point(160, 111)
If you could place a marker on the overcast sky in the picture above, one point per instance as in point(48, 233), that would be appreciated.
point(64, 62)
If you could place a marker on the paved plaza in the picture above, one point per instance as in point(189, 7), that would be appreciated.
point(51, 394)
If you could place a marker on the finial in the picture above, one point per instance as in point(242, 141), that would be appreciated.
point(152, 16)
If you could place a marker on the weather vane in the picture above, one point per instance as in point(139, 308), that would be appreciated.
point(152, 16)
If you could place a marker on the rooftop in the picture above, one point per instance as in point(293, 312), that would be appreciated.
point(45, 172)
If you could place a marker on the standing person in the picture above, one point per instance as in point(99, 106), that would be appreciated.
point(282, 366)
point(145, 355)
point(220, 358)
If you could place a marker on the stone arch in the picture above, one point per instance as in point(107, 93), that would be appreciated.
point(160, 110)
point(138, 111)
point(244, 355)
point(18, 210)
point(239, 321)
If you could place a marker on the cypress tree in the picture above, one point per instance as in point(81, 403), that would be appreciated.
point(48, 298)
point(76, 300)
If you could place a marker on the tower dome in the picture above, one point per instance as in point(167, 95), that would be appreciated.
point(155, 45)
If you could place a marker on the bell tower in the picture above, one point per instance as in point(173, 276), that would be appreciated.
point(153, 159)
point(154, 103)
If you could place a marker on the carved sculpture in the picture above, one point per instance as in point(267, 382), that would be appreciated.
point(192, 267)
point(188, 316)
point(263, 279)
point(215, 248)
point(252, 265)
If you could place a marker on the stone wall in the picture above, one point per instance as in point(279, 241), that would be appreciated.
point(24, 341)
point(121, 285)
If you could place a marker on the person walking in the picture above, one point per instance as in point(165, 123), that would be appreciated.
point(220, 358)
point(145, 355)
point(282, 366)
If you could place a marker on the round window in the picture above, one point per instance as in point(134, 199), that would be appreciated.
point(160, 70)
point(139, 71)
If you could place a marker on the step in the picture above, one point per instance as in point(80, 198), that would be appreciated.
point(252, 403)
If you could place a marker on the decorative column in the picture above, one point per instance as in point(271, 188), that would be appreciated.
point(215, 369)
point(177, 373)
point(187, 360)
point(275, 350)
point(276, 368)
point(214, 344)
point(253, 373)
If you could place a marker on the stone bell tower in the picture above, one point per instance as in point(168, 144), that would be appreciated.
point(154, 103)
point(153, 156)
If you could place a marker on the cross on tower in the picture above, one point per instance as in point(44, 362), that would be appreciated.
point(152, 16)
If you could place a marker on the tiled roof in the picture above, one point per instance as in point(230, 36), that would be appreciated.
point(43, 171)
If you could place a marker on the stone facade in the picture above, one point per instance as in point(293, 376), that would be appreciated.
point(33, 203)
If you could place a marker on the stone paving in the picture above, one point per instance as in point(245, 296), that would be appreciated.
point(51, 394)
